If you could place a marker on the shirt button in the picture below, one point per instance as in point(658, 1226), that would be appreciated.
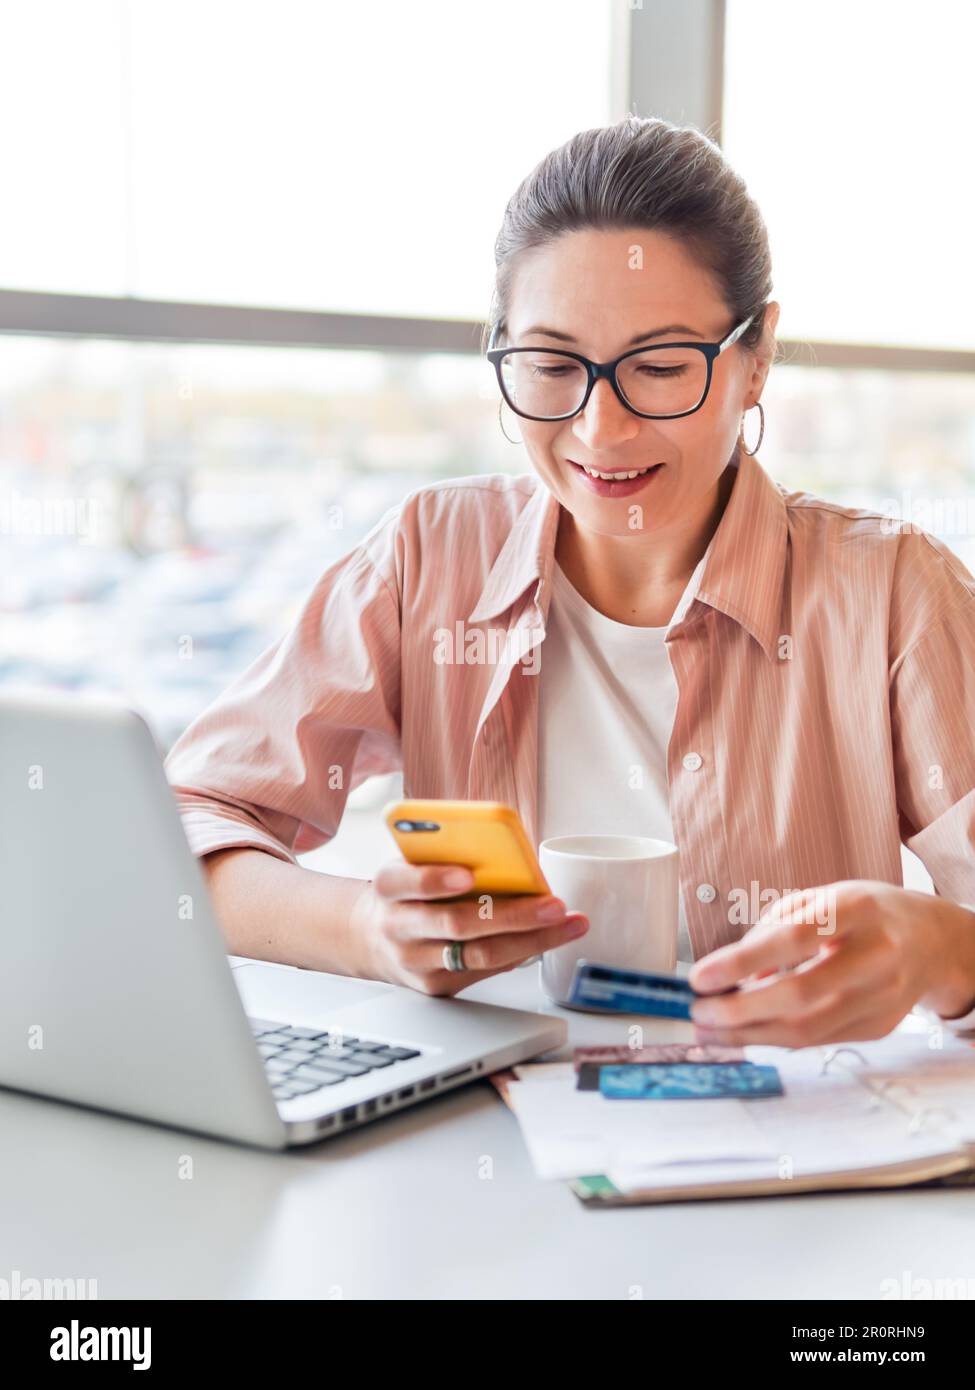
point(692, 761)
point(705, 892)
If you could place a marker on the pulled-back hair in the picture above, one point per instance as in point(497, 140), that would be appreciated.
point(644, 173)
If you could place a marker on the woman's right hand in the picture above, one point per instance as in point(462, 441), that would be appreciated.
point(402, 920)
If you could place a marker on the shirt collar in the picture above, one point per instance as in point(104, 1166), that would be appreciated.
point(527, 554)
point(745, 572)
point(744, 564)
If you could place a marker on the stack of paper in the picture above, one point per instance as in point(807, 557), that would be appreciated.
point(867, 1111)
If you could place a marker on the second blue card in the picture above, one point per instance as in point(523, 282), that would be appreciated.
point(688, 1081)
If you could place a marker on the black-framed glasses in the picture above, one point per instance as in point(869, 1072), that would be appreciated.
point(662, 382)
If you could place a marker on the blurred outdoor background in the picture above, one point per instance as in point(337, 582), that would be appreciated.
point(246, 249)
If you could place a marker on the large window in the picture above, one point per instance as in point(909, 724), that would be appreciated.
point(326, 156)
point(852, 126)
point(301, 153)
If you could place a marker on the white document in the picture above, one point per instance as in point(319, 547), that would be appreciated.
point(573, 1133)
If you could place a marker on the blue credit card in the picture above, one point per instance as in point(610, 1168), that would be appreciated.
point(620, 991)
point(688, 1080)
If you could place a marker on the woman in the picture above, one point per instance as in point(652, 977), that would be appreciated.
point(784, 686)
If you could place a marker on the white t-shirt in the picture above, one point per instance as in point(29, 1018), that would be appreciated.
point(607, 702)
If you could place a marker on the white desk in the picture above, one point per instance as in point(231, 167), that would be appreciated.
point(398, 1210)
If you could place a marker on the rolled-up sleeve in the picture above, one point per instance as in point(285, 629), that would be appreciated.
point(270, 764)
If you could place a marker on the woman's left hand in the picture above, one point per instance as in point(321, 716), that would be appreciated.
point(859, 954)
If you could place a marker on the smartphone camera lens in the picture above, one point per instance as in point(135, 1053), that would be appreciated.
point(416, 825)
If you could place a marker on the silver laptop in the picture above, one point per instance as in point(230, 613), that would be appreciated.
point(115, 987)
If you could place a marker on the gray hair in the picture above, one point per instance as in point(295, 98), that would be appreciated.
point(643, 172)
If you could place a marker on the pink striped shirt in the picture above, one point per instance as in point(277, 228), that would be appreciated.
point(825, 669)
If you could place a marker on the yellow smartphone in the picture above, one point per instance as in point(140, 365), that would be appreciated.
point(487, 837)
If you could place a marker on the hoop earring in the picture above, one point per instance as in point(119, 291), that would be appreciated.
point(503, 430)
point(761, 432)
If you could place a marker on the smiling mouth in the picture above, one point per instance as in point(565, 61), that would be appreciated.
point(617, 475)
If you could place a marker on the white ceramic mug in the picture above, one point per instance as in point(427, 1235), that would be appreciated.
point(628, 887)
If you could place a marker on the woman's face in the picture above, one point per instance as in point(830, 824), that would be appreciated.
point(582, 293)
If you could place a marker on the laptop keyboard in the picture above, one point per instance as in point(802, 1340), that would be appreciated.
point(301, 1060)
